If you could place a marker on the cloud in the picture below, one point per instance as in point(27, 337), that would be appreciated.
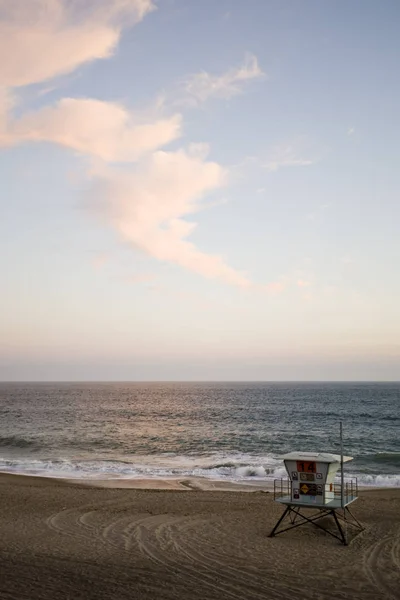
point(303, 283)
point(347, 260)
point(308, 297)
point(102, 129)
point(100, 260)
point(40, 39)
point(318, 212)
point(140, 278)
point(146, 208)
point(202, 86)
point(275, 287)
point(286, 156)
point(147, 205)
point(6, 104)
point(351, 131)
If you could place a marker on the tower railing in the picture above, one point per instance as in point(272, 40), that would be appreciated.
point(283, 489)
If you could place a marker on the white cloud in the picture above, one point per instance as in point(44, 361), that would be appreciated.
point(146, 208)
point(351, 131)
point(202, 86)
point(318, 212)
point(286, 156)
point(102, 129)
point(40, 39)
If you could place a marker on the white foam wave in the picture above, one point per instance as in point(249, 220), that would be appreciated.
point(235, 468)
point(251, 472)
point(231, 468)
point(378, 480)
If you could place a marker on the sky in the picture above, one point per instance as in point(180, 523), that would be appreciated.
point(199, 190)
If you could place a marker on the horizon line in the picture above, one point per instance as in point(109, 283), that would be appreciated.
point(146, 381)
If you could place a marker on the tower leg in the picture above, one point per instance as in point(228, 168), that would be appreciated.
point(288, 509)
point(342, 533)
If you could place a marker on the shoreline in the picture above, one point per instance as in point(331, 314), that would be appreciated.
point(173, 483)
point(166, 483)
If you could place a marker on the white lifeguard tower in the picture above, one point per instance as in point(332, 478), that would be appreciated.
point(311, 484)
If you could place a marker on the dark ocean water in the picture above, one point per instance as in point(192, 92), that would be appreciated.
point(231, 431)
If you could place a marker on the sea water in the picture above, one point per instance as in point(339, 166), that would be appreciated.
point(224, 431)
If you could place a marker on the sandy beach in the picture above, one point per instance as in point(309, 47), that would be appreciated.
point(61, 540)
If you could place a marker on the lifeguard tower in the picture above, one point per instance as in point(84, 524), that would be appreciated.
point(311, 485)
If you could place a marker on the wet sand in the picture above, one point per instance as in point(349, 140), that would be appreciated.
point(62, 540)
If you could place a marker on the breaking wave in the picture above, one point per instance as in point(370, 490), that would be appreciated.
point(15, 441)
point(236, 469)
point(256, 469)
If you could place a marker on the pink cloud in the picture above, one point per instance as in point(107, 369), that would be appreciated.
point(40, 39)
point(100, 260)
point(140, 278)
point(147, 207)
point(275, 287)
point(102, 129)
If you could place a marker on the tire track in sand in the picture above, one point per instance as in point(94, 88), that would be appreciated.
point(246, 579)
point(152, 537)
point(381, 565)
point(238, 583)
point(148, 534)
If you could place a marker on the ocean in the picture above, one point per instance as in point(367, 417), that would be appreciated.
point(219, 431)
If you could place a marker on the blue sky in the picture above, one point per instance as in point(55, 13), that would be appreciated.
point(199, 190)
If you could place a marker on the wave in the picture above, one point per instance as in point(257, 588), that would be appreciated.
point(390, 481)
point(378, 461)
point(259, 470)
point(46, 443)
point(14, 441)
point(387, 457)
point(237, 469)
